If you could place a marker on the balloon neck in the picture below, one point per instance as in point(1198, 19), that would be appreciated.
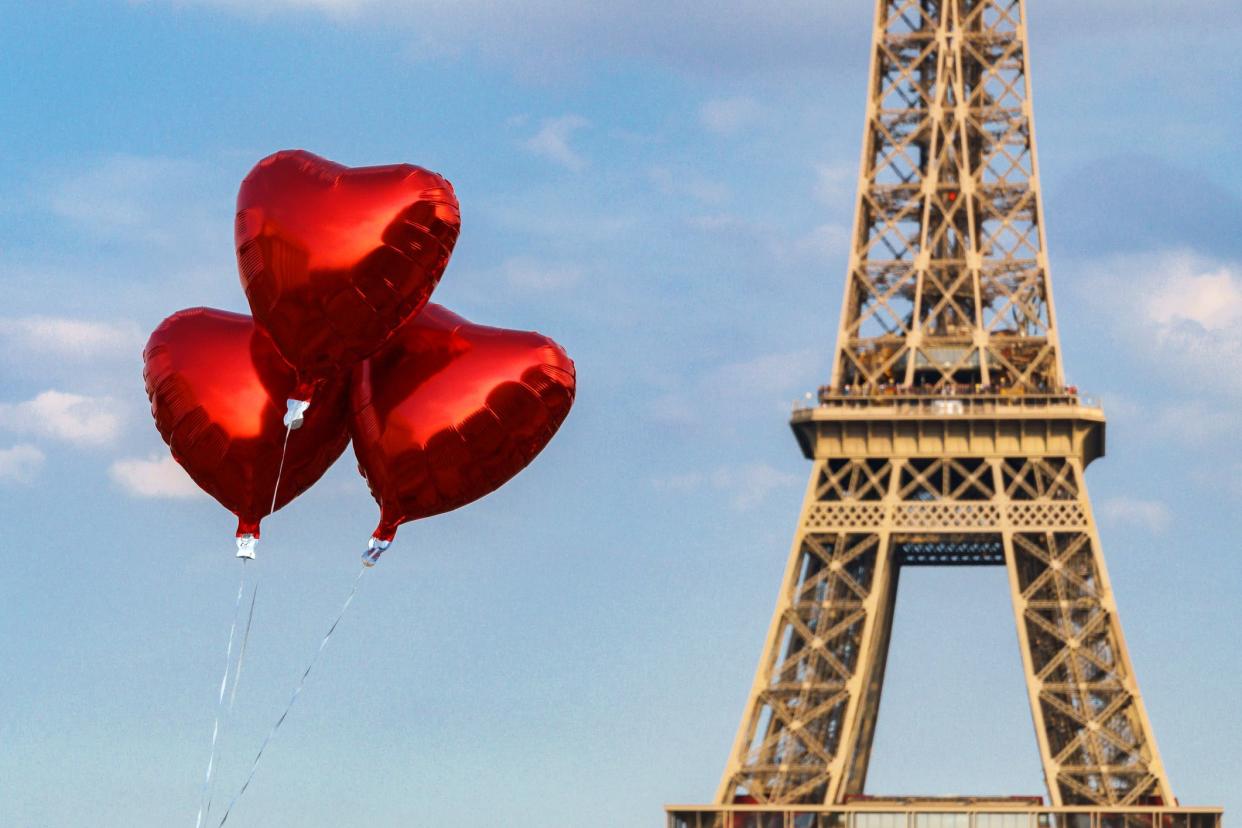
point(375, 548)
point(295, 413)
point(246, 545)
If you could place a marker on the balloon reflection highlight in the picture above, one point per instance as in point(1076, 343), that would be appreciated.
point(449, 411)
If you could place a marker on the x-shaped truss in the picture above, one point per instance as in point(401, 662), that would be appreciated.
point(1086, 698)
point(949, 246)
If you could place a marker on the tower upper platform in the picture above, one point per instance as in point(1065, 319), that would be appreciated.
point(1067, 424)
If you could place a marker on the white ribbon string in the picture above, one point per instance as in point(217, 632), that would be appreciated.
point(205, 799)
point(281, 469)
point(235, 681)
point(296, 692)
point(241, 656)
point(208, 793)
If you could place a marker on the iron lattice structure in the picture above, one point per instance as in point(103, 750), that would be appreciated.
point(948, 279)
point(947, 437)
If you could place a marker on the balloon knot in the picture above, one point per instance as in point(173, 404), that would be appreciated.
point(246, 545)
point(294, 415)
point(375, 548)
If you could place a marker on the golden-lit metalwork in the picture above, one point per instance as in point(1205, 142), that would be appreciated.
point(948, 436)
point(948, 276)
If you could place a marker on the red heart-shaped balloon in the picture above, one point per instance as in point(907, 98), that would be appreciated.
point(333, 260)
point(449, 411)
point(218, 389)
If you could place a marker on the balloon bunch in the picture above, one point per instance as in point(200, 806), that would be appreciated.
point(338, 265)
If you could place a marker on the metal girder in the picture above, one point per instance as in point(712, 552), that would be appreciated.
point(946, 438)
point(807, 732)
point(948, 278)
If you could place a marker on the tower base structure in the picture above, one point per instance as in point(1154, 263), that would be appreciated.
point(944, 480)
point(946, 812)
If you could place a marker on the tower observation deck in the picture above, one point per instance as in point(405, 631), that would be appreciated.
point(947, 436)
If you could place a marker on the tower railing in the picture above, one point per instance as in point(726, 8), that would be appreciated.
point(946, 401)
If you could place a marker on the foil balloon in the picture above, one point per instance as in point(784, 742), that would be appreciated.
point(333, 260)
point(449, 411)
point(218, 388)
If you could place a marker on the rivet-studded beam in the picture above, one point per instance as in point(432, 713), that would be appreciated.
point(948, 276)
point(806, 736)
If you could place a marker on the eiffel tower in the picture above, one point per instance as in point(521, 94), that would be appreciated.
point(948, 436)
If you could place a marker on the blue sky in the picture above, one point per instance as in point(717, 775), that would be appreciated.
point(665, 189)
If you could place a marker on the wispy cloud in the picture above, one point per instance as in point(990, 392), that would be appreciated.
point(786, 245)
point(21, 463)
point(1151, 515)
point(561, 33)
point(835, 185)
point(154, 477)
point(687, 183)
point(821, 243)
point(767, 373)
point(64, 338)
point(746, 37)
point(143, 199)
point(544, 216)
point(747, 485)
point(1194, 422)
point(333, 9)
point(73, 418)
point(552, 141)
point(765, 383)
point(1189, 422)
point(728, 116)
point(527, 274)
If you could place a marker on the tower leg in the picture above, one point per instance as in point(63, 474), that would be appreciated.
point(1093, 731)
point(806, 733)
point(871, 672)
point(810, 721)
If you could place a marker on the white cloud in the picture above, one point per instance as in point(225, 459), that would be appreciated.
point(73, 339)
point(552, 141)
point(1188, 421)
point(1194, 422)
point(724, 223)
point(545, 215)
point(788, 246)
point(135, 198)
point(766, 382)
point(1074, 18)
point(526, 274)
point(336, 9)
point(820, 244)
point(21, 463)
point(747, 485)
point(766, 374)
point(685, 182)
point(73, 418)
point(543, 37)
point(727, 116)
point(673, 407)
point(1189, 313)
point(835, 185)
point(1213, 299)
point(1151, 515)
point(155, 477)
point(752, 484)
